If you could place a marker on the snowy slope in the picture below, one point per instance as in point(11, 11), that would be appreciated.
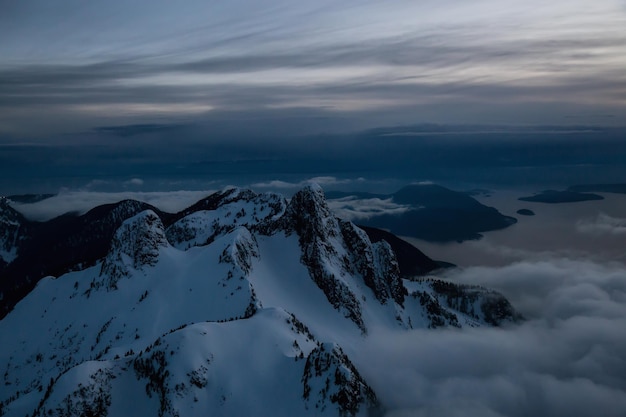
point(227, 309)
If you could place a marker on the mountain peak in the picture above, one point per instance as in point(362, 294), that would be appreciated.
point(308, 213)
point(136, 244)
point(333, 249)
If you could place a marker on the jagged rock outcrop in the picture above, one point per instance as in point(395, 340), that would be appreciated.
point(448, 304)
point(486, 305)
point(333, 249)
point(348, 392)
point(411, 261)
point(318, 232)
point(135, 245)
point(376, 263)
point(241, 251)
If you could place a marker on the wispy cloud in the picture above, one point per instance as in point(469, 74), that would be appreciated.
point(138, 182)
point(393, 59)
point(355, 209)
point(323, 181)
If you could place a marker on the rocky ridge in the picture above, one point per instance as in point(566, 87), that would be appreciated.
point(163, 323)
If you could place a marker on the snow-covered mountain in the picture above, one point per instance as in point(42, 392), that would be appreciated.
point(241, 305)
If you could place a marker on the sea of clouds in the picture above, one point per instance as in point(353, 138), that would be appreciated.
point(567, 359)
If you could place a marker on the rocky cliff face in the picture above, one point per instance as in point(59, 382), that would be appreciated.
point(348, 393)
point(336, 252)
point(135, 245)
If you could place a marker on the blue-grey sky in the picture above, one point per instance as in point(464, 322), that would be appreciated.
point(309, 67)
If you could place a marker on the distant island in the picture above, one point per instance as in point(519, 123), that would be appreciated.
point(556, 197)
point(434, 213)
point(525, 212)
point(599, 188)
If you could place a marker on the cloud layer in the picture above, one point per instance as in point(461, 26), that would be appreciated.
point(567, 359)
point(83, 201)
point(563, 270)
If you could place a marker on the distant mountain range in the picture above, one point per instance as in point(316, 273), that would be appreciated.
point(556, 197)
point(220, 309)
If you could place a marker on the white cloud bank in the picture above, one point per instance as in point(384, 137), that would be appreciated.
point(83, 201)
point(567, 359)
point(355, 209)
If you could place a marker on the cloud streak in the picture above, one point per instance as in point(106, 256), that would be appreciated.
point(322, 181)
point(332, 58)
point(355, 209)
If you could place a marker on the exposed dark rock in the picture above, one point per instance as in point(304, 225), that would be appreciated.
point(328, 367)
point(310, 218)
point(376, 263)
point(475, 301)
point(411, 261)
point(135, 245)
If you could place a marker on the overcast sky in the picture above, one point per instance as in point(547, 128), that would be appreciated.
point(70, 65)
